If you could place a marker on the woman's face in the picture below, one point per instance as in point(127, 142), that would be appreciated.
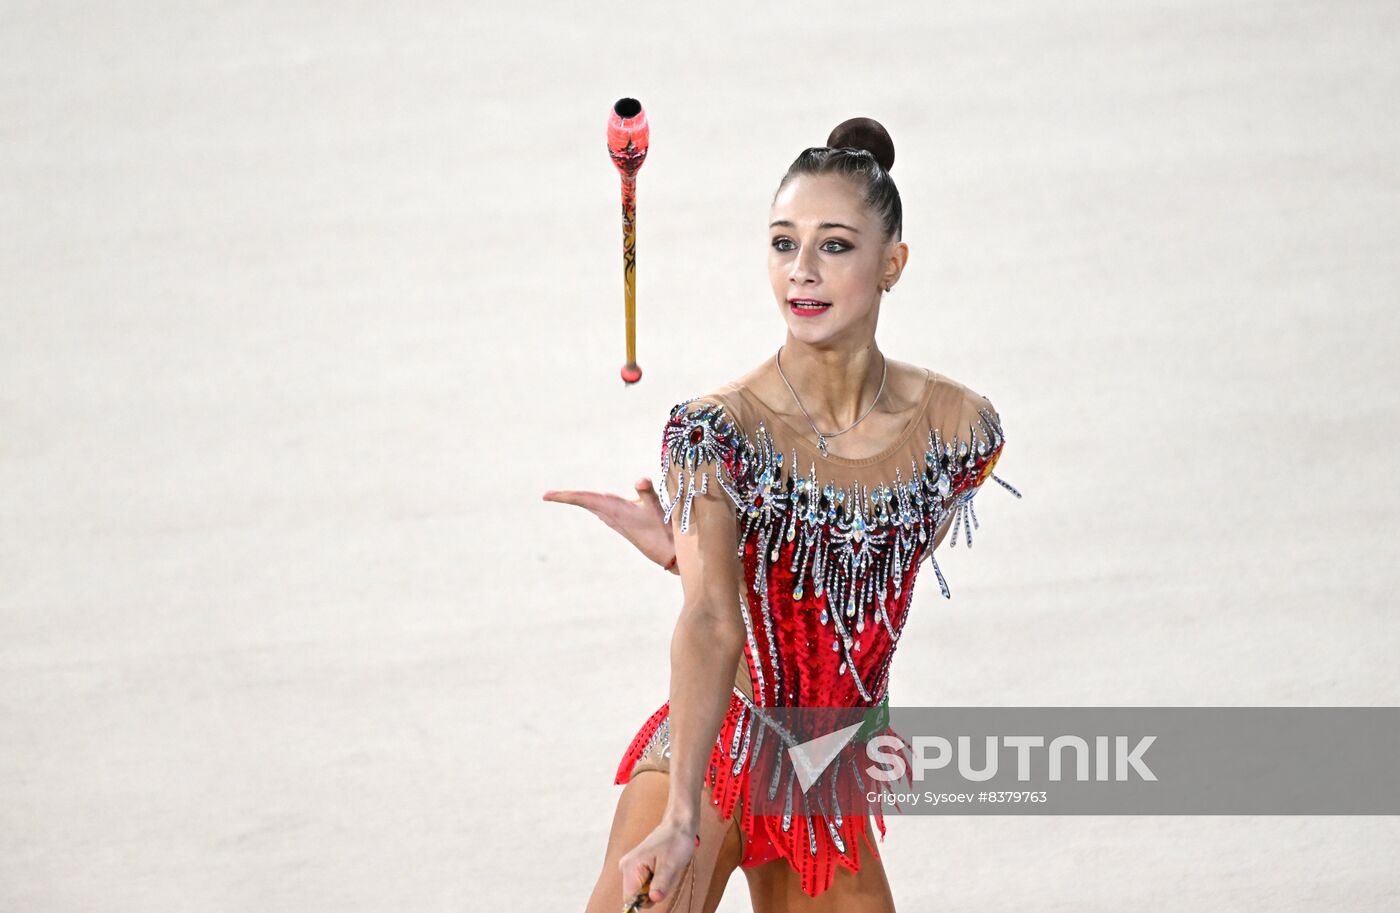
point(824, 245)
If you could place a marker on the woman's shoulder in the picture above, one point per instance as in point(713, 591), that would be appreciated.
point(717, 416)
point(950, 391)
point(721, 399)
point(732, 399)
point(958, 409)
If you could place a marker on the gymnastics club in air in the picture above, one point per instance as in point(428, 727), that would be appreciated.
point(628, 139)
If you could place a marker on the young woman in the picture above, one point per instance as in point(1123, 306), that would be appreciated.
point(798, 504)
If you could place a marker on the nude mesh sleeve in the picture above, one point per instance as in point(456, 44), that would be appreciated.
point(704, 456)
point(972, 443)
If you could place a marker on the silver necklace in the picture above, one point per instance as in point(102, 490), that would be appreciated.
point(821, 437)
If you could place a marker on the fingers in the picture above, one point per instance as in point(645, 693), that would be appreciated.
point(647, 494)
point(636, 876)
point(652, 876)
point(590, 500)
point(667, 874)
point(593, 500)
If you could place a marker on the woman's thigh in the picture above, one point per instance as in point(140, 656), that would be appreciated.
point(775, 886)
point(639, 810)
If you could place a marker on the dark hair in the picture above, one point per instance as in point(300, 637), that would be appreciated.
point(862, 150)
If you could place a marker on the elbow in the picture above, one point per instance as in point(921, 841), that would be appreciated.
point(718, 624)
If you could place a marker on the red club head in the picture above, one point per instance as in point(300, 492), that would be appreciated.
point(628, 135)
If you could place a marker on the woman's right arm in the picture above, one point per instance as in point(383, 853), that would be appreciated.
point(708, 639)
point(705, 649)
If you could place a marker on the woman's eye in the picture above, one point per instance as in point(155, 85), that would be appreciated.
point(839, 246)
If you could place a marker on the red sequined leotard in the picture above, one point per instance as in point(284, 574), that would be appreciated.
point(830, 555)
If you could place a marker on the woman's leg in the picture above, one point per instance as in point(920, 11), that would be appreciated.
point(775, 887)
point(639, 810)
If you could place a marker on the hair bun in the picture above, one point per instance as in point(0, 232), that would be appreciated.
point(864, 133)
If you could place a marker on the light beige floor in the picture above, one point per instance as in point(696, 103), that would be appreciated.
point(305, 304)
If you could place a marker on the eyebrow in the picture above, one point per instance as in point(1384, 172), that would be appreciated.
point(786, 224)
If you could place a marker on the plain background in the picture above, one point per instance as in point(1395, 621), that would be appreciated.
point(305, 305)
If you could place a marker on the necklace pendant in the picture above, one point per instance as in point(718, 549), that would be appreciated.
point(821, 443)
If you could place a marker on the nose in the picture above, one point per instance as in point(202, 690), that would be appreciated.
point(804, 267)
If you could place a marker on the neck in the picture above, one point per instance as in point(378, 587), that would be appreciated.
point(837, 386)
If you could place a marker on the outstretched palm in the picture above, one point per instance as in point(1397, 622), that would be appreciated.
point(639, 520)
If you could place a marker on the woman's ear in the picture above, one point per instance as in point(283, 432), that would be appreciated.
point(899, 256)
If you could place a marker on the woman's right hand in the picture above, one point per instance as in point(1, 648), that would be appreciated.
point(638, 520)
point(664, 853)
